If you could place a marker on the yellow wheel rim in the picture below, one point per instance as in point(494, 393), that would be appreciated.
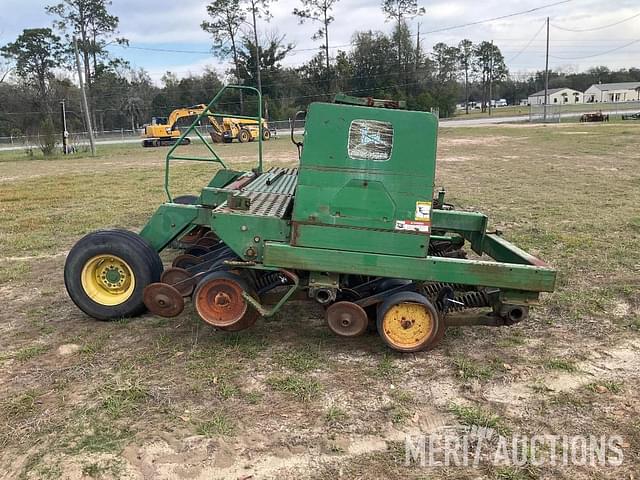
point(108, 280)
point(407, 325)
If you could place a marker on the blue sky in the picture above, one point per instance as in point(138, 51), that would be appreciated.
point(175, 25)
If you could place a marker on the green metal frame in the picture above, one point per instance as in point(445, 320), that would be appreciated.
point(209, 112)
point(512, 276)
point(343, 215)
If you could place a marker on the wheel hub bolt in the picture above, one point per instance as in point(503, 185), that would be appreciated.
point(222, 300)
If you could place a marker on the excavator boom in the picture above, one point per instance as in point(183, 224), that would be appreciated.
point(163, 133)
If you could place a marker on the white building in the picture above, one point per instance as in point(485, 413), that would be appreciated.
point(557, 96)
point(612, 92)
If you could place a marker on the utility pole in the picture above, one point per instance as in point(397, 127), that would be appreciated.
point(87, 117)
point(490, 77)
point(255, 39)
point(65, 133)
point(418, 45)
point(546, 75)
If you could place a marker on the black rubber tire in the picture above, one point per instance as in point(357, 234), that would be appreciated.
point(244, 136)
point(266, 135)
point(133, 249)
point(152, 256)
point(411, 297)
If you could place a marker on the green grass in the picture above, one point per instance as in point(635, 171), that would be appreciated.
point(335, 415)
point(19, 405)
point(476, 416)
point(561, 364)
point(302, 388)
point(219, 424)
point(514, 473)
point(247, 343)
point(101, 438)
point(386, 366)
point(609, 386)
point(469, 369)
point(400, 407)
point(32, 351)
point(300, 359)
point(123, 398)
point(13, 271)
point(516, 339)
point(94, 345)
point(226, 388)
point(100, 469)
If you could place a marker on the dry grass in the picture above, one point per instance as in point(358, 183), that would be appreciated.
point(286, 399)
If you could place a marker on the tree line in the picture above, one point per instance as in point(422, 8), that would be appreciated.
point(36, 71)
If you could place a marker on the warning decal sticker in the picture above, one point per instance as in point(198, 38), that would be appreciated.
point(413, 226)
point(423, 211)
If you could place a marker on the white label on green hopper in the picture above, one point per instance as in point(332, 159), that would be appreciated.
point(412, 226)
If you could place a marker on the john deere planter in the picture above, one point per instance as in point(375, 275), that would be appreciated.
point(356, 227)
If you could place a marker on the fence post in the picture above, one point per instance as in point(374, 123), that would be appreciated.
point(560, 113)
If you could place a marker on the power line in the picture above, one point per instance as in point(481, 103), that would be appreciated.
point(596, 28)
point(501, 17)
point(598, 54)
point(528, 44)
point(438, 30)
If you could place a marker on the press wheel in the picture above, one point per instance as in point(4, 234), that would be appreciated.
point(163, 300)
point(186, 261)
point(347, 319)
point(219, 302)
point(408, 322)
point(180, 279)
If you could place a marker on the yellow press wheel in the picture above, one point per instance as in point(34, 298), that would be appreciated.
point(408, 322)
point(106, 272)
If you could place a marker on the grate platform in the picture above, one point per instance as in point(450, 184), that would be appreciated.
point(276, 180)
point(262, 204)
point(270, 195)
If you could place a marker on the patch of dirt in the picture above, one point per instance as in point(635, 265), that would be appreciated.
point(487, 141)
point(447, 159)
point(34, 257)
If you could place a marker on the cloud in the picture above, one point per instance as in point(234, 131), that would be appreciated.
point(176, 25)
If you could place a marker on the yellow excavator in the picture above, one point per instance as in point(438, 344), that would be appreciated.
point(163, 131)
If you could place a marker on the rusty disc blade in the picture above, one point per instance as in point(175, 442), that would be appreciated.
point(207, 242)
point(197, 251)
point(247, 321)
point(194, 235)
point(180, 279)
point(163, 300)
point(185, 261)
point(219, 301)
point(346, 319)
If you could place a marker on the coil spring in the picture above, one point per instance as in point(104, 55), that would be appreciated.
point(476, 299)
point(432, 290)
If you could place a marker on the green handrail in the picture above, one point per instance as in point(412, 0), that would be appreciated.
point(208, 112)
